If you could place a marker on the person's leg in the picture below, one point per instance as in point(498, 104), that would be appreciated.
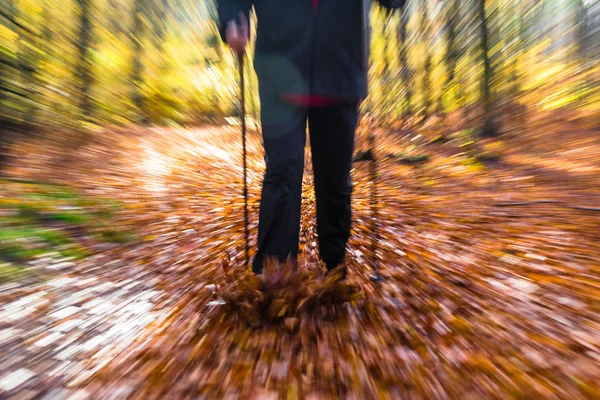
point(332, 144)
point(284, 137)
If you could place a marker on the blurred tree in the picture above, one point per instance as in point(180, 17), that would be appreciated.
point(116, 22)
point(19, 73)
point(591, 27)
point(31, 42)
point(405, 67)
point(85, 63)
point(387, 95)
point(159, 24)
point(584, 53)
point(47, 47)
point(581, 26)
point(452, 86)
point(159, 105)
point(488, 128)
point(517, 52)
point(137, 82)
point(4, 65)
point(23, 68)
point(425, 42)
point(63, 62)
point(7, 121)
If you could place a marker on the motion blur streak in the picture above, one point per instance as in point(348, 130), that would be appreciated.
point(121, 211)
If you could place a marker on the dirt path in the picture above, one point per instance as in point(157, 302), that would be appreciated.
point(479, 302)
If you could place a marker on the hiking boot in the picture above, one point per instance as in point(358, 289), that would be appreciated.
point(341, 269)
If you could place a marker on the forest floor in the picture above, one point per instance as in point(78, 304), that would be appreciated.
point(479, 301)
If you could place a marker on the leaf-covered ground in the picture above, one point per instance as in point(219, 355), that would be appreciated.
point(481, 300)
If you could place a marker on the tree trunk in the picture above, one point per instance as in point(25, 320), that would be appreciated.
point(386, 78)
point(426, 37)
point(427, 88)
point(84, 67)
point(488, 128)
point(5, 143)
point(137, 67)
point(405, 72)
point(160, 34)
point(10, 126)
point(25, 88)
point(32, 59)
point(452, 53)
point(115, 19)
point(252, 79)
point(47, 47)
point(582, 55)
point(515, 78)
point(4, 120)
point(160, 28)
point(3, 86)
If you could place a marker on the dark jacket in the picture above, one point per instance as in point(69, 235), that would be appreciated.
point(303, 52)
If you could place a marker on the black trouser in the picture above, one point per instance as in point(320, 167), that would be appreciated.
point(332, 142)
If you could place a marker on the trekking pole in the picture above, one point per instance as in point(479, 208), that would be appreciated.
point(376, 277)
point(245, 156)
